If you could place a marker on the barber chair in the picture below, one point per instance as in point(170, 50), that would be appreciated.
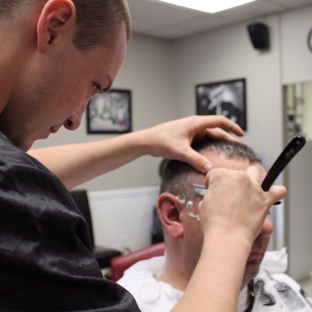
point(119, 264)
point(102, 255)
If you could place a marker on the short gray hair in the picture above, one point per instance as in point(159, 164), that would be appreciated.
point(177, 176)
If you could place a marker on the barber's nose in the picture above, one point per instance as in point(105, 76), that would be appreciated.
point(267, 228)
point(73, 122)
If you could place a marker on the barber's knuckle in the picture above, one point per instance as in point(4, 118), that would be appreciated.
point(243, 178)
point(216, 174)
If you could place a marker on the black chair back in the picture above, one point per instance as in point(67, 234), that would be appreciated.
point(103, 255)
point(81, 199)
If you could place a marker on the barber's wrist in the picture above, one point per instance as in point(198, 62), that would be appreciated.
point(236, 241)
point(143, 142)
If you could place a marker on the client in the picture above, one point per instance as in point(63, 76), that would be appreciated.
point(158, 283)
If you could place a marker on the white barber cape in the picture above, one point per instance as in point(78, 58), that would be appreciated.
point(272, 289)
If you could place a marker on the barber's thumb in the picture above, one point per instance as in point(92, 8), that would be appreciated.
point(276, 193)
point(200, 162)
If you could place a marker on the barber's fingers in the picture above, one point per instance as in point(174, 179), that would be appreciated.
point(262, 171)
point(218, 133)
point(254, 174)
point(224, 176)
point(275, 193)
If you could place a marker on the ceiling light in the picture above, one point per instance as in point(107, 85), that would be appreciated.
point(208, 6)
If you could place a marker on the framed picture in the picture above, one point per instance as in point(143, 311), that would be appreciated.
point(109, 112)
point(226, 98)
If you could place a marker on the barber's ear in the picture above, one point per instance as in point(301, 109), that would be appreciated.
point(168, 209)
point(56, 19)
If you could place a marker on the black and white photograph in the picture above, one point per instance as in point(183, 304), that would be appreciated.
point(109, 112)
point(226, 98)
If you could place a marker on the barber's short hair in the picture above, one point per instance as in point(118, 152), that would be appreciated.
point(98, 21)
point(178, 177)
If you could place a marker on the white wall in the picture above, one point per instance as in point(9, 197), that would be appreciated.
point(122, 219)
point(148, 72)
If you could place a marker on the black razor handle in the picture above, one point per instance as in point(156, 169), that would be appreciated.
point(290, 151)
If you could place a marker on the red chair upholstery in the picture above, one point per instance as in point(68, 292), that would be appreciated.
point(121, 263)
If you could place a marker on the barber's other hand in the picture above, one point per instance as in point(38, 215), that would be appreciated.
point(235, 203)
point(172, 139)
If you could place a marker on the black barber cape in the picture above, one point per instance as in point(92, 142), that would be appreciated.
point(46, 262)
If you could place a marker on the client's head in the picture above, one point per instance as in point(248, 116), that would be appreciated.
point(177, 208)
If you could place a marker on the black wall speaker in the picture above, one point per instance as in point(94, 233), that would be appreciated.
point(259, 35)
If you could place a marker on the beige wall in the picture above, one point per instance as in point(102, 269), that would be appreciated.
point(227, 54)
point(307, 109)
point(296, 57)
point(162, 76)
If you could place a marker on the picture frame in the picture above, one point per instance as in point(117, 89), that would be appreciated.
point(226, 98)
point(109, 112)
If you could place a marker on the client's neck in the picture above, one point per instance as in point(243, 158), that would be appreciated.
point(174, 272)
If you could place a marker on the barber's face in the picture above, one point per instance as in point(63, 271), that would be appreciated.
point(54, 89)
point(193, 227)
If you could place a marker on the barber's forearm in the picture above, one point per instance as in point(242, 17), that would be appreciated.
point(217, 279)
point(77, 163)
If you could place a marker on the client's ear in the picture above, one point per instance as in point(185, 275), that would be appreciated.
point(168, 209)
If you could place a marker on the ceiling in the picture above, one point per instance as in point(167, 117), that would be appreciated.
point(158, 19)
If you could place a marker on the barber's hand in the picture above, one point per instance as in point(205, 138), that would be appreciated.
point(235, 203)
point(172, 140)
